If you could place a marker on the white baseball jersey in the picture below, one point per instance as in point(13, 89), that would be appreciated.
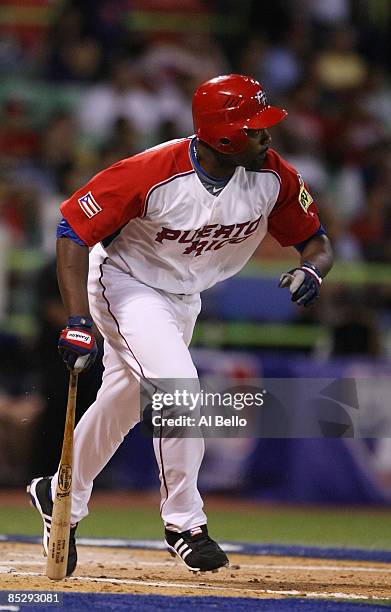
point(156, 221)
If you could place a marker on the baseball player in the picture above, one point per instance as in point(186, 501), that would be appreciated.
point(163, 226)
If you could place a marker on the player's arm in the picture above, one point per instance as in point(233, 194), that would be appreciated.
point(76, 344)
point(294, 221)
point(316, 260)
point(94, 212)
point(319, 253)
point(72, 274)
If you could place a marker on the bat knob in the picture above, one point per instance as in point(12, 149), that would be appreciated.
point(285, 280)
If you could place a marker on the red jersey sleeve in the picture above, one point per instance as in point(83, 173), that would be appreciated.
point(106, 203)
point(294, 217)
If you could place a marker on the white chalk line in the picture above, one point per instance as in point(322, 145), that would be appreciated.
point(281, 568)
point(317, 568)
point(192, 586)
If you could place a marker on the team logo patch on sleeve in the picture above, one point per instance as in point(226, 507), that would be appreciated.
point(305, 198)
point(89, 205)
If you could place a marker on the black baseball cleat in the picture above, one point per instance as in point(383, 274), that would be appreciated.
point(196, 549)
point(39, 489)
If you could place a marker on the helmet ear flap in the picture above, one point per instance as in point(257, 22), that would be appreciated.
point(233, 142)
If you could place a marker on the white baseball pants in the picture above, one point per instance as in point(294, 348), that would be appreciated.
point(146, 335)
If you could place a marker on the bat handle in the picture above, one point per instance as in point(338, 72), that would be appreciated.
point(72, 388)
point(73, 378)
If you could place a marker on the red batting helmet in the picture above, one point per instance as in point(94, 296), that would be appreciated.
point(223, 107)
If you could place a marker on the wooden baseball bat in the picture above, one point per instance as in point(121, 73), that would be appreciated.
point(56, 565)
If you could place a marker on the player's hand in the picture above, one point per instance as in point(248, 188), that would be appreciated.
point(304, 283)
point(77, 345)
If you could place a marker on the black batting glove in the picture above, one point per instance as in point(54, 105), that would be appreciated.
point(304, 283)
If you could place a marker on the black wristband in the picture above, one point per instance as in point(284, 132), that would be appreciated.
point(308, 264)
point(83, 322)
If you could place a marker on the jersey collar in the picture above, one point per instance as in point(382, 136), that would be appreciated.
point(205, 177)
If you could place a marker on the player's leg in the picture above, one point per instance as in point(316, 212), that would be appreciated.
point(101, 429)
point(180, 458)
point(149, 330)
point(97, 436)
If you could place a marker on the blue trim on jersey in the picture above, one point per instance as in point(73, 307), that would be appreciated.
point(200, 170)
point(64, 230)
point(301, 246)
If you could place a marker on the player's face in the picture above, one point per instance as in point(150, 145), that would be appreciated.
point(253, 156)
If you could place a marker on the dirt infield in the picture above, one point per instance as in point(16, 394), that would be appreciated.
point(111, 570)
